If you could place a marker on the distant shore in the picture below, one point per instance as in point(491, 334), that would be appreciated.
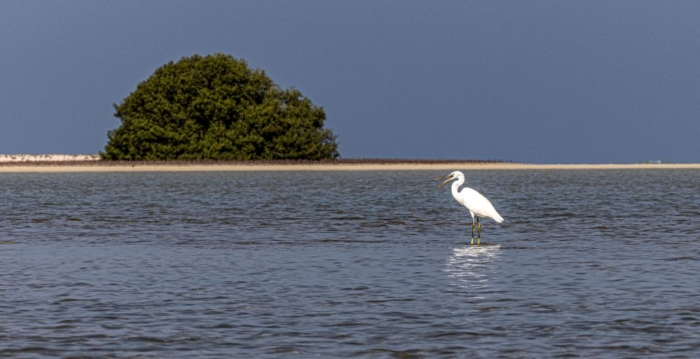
point(95, 165)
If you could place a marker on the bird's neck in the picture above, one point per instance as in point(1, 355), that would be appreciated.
point(455, 189)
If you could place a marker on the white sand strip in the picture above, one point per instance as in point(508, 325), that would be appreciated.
point(47, 158)
point(99, 167)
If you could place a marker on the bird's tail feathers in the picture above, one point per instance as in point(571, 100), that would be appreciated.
point(498, 218)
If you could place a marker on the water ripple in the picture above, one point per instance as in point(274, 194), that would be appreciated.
point(360, 264)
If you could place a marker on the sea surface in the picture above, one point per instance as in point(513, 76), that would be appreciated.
point(588, 264)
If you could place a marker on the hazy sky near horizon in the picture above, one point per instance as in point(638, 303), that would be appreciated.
point(526, 81)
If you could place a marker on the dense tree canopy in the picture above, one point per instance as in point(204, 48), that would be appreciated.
point(216, 107)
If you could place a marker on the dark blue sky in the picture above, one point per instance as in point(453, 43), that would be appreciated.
point(527, 81)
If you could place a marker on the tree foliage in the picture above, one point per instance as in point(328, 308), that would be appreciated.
point(216, 107)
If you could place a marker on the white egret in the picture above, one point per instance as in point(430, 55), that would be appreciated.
point(476, 203)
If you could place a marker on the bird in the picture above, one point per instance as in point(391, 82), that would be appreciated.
point(477, 205)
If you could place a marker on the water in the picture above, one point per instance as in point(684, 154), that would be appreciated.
point(594, 264)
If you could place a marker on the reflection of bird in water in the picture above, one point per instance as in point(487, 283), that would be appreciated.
point(470, 267)
point(476, 203)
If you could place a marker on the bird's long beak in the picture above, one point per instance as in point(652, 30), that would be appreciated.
point(441, 177)
point(443, 183)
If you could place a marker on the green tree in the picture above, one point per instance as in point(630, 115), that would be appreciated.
point(216, 107)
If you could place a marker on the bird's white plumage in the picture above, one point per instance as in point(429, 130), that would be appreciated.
point(476, 203)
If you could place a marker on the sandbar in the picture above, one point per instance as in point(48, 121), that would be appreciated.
point(99, 166)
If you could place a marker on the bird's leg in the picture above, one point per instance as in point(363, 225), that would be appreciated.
point(479, 230)
point(473, 230)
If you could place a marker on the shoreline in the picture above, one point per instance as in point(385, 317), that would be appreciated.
point(96, 166)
